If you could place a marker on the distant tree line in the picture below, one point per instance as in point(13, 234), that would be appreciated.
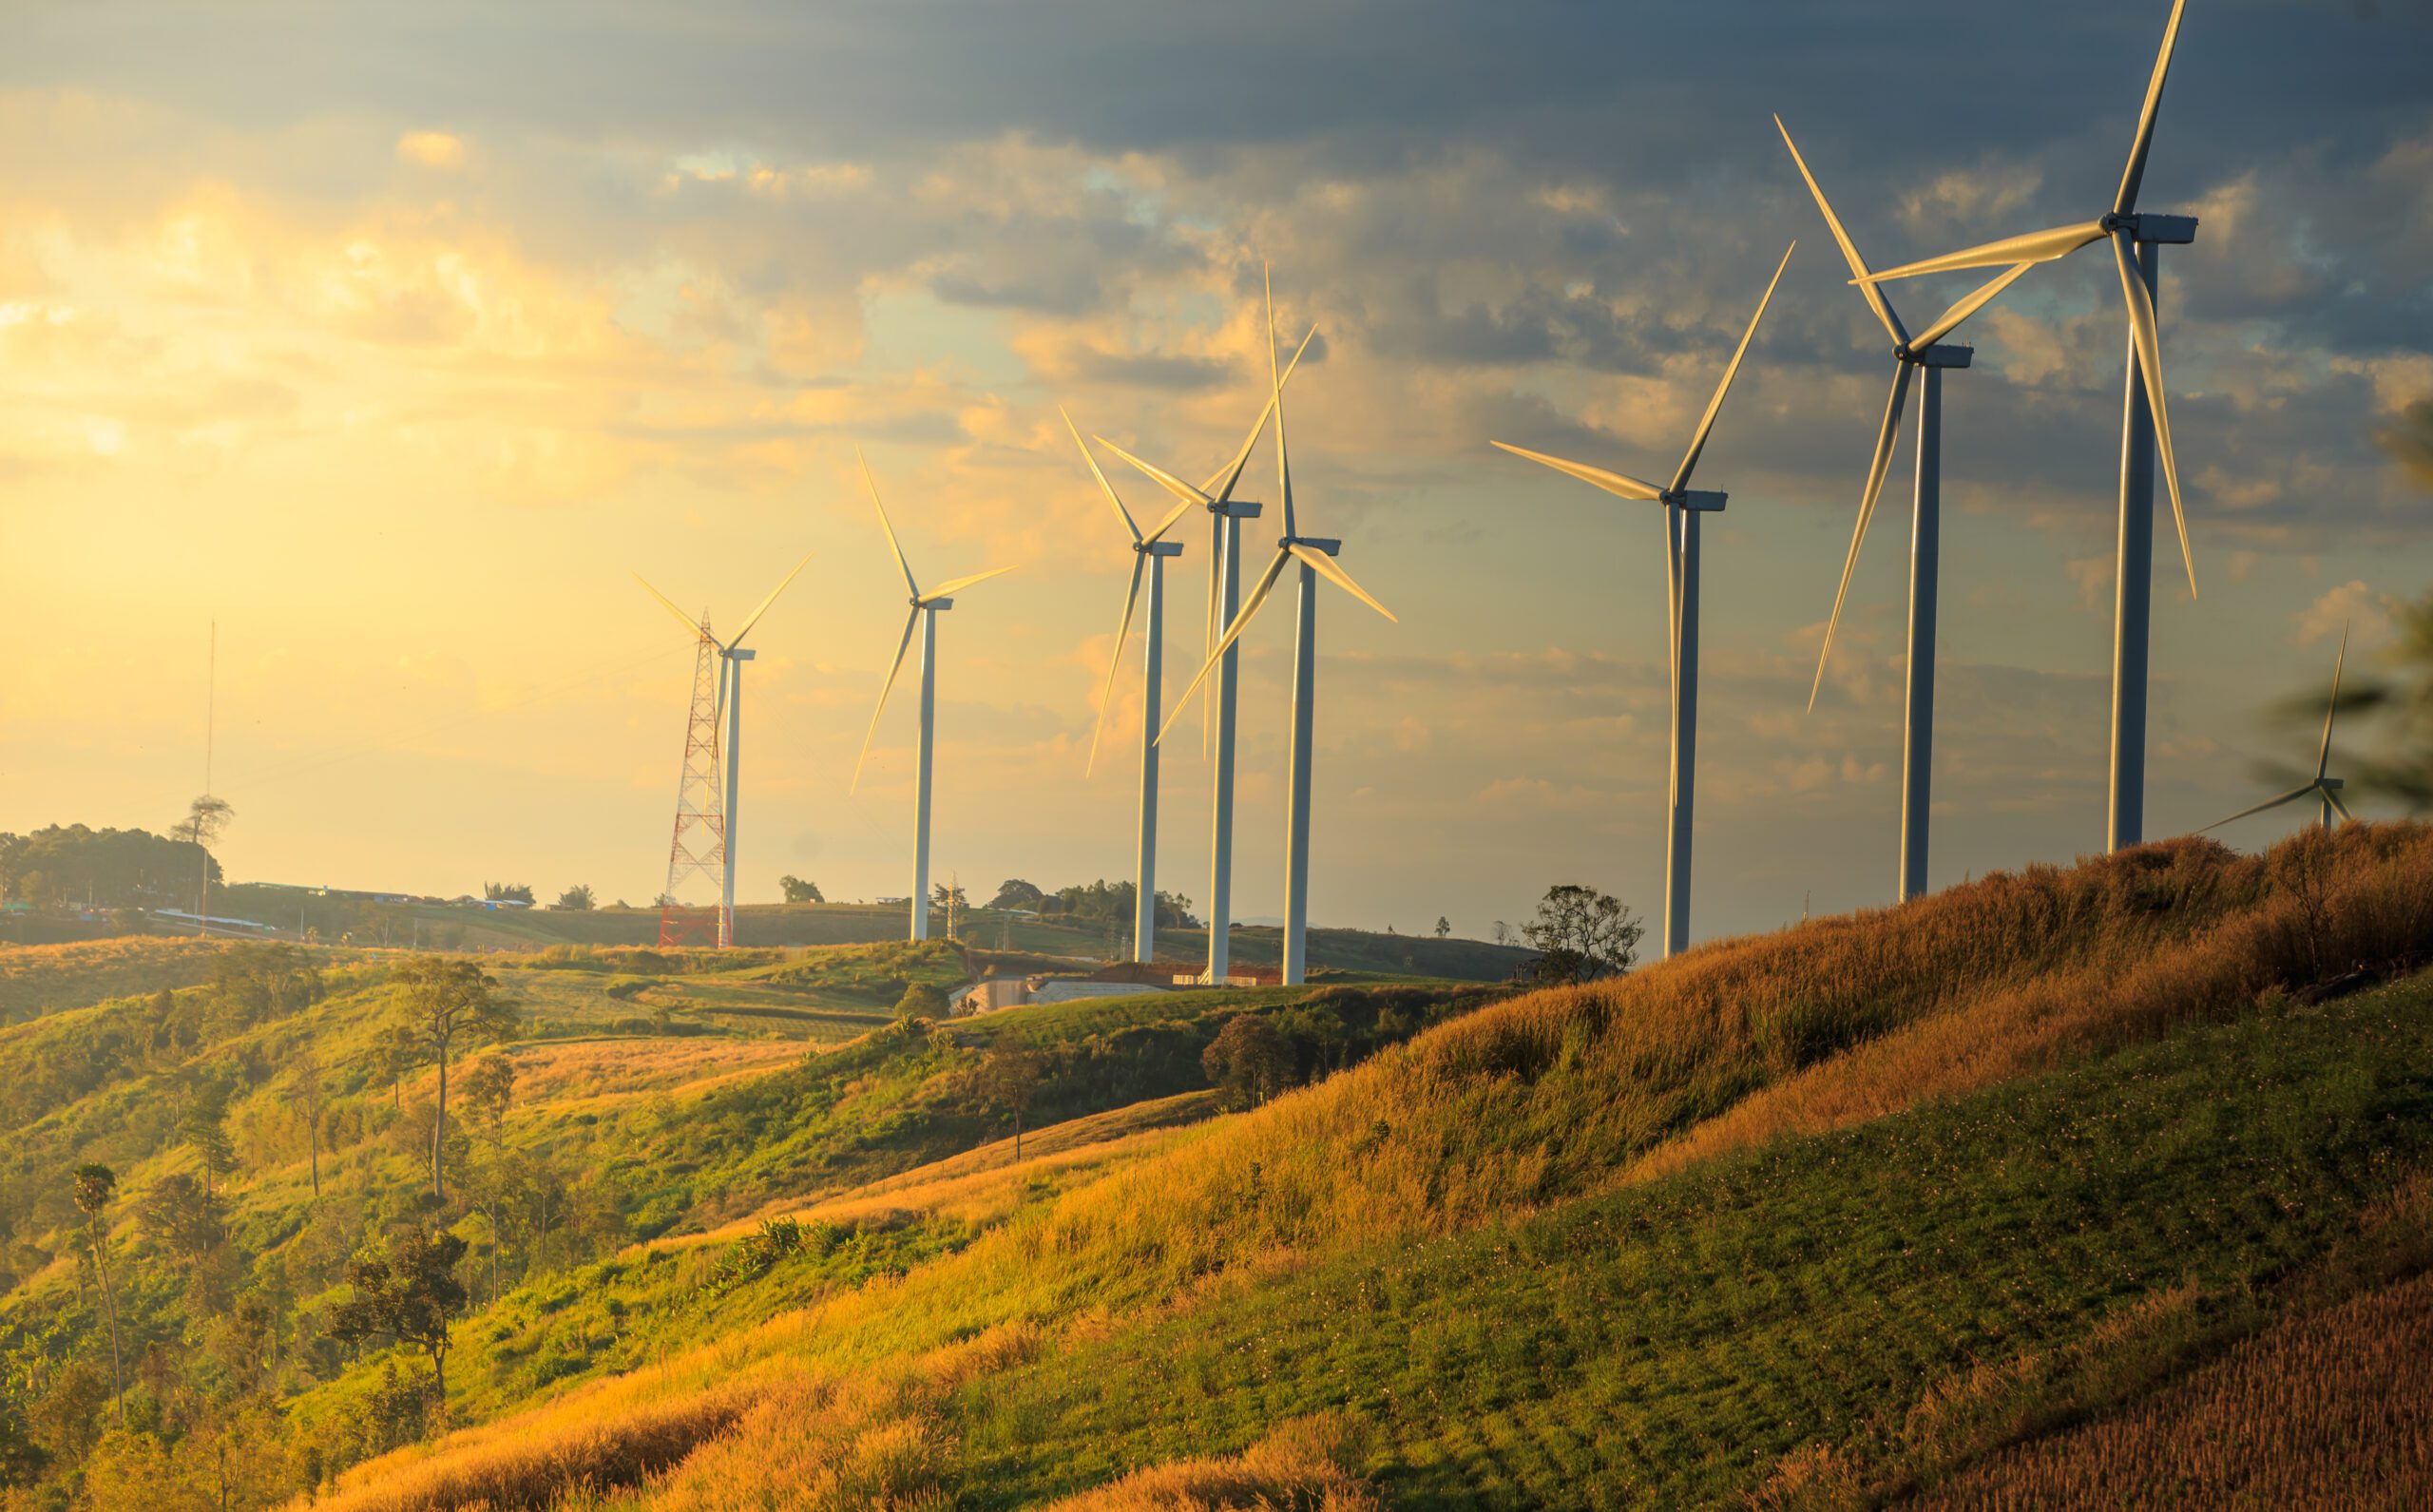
point(72, 866)
point(1093, 902)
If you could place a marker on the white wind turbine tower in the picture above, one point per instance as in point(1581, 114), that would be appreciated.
point(1911, 357)
point(732, 656)
point(2324, 788)
point(1682, 507)
point(1226, 514)
point(1315, 555)
point(1149, 554)
point(923, 615)
point(2145, 429)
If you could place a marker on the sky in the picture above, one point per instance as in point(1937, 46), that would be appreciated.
point(395, 339)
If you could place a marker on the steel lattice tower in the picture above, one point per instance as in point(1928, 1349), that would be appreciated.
point(698, 849)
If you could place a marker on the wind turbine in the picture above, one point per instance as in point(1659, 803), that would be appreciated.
point(1315, 555)
point(1226, 514)
point(2145, 427)
point(1149, 554)
point(1682, 507)
point(1912, 357)
point(729, 708)
point(2324, 787)
point(923, 615)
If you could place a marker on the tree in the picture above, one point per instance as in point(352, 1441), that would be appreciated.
point(440, 1001)
point(944, 896)
point(1016, 893)
point(1501, 933)
point(578, 899)
point(95, 1185)
point(922, 1000)
point(1008, 1079)
point(1248, 1059)
point(204, 1130)
point(1581, 934)
point(182, 1216)
point(798, 890)
point(405, 1292)
point(488, 1089)
point(1444, 927)
point(312, 1098)
point(205, 818)
point(507, 891)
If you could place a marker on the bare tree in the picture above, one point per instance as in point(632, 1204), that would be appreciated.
point(95, 1185)
point(206, 816)
point(439, 1002)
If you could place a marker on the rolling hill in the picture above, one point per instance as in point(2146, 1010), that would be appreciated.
point(2116, 1175)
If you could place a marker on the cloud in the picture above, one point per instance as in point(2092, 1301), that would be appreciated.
point(431, 149)
point(2353, 609)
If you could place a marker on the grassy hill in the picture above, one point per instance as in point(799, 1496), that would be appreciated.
point(2110, 1181)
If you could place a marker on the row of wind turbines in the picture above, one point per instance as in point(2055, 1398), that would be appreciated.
point(1920, 359)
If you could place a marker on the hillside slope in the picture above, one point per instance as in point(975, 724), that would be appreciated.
point(1814, 1219)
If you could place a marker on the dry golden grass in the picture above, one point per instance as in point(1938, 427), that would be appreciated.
point(1311, 1465)
point(566, 1070)
point(529, 1469)
point(2330, 1410)
point(37, 979)
point(984, 1186)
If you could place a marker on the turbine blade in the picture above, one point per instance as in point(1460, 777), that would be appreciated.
point(948, 588)
point(1875, 299)
point(1168, 522)
point(2290, 797)
point(690, 624)
point(1223, 482)
point(1326, 566)
point(1673, 517)
point(2323, 758)
point(1159, 475)
point(1714, 406)
point(886, 525)
point(885, 688)
point(1123, 633)
point(1877, 467)
point(1283, 447)
point(2126, 200)
point(2034, 246)
point(1104, 486)
point(1958, 313)
point(1233, 633)
point(2150, 367)
point(1618, 484)
point(755, 617)
point(2333, 799)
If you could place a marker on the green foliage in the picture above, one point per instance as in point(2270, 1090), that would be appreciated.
point(507, 892)
point(578, 899)
point(74, 865)
point(1580, 935)
point(924, 1001)
point(1247, 1061)
point(797, 890)
point(406, 1292)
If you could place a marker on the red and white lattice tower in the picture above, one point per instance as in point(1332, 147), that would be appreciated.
point(697, 859)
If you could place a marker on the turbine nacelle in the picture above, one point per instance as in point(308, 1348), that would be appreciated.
point(1938, 355)
point(1705, 501)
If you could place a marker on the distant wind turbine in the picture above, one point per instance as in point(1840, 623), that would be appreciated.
point(1682, 507)
point(2324, 787)
point(2145, 427)
point(1911, 356)
point(1316, 556)
point(923, 616)
point(730, 709)
point(1149, 554)
point(1226, 514)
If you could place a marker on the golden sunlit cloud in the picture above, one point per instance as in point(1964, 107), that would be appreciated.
point(431, 149)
